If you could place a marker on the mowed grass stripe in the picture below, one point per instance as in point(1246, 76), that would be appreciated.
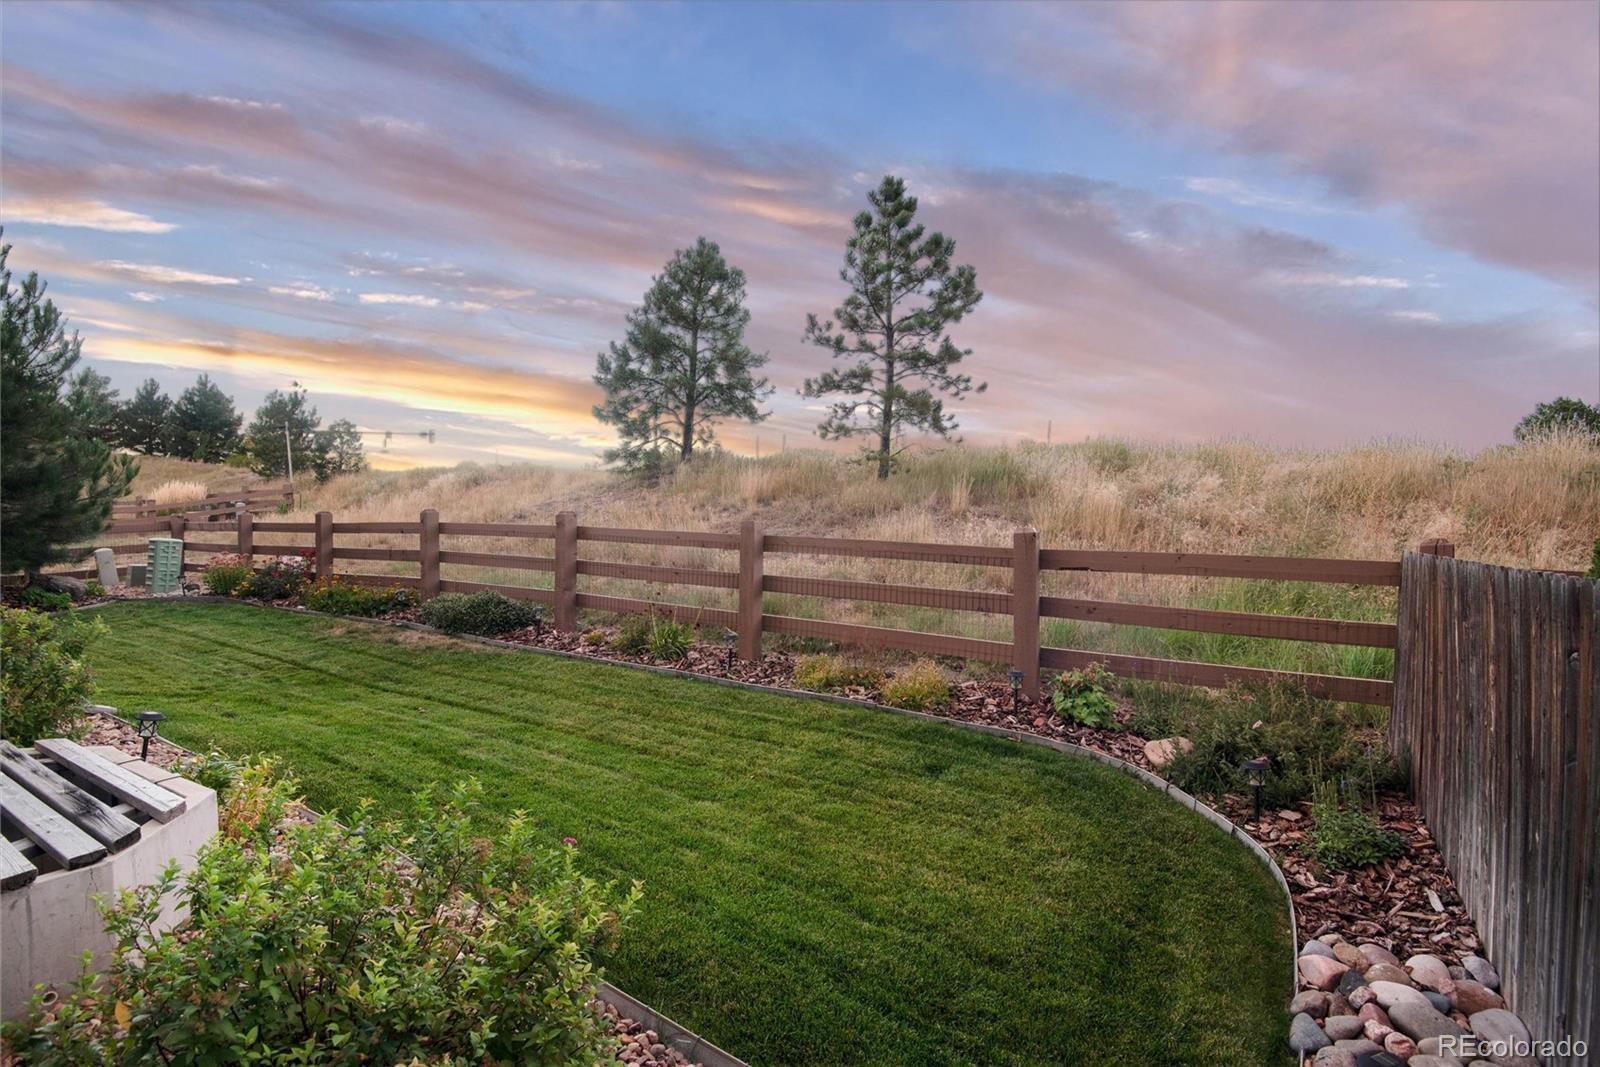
point(824, 884)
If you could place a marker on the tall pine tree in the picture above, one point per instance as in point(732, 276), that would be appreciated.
point(144, 423)
point(57, 479)
point(904, 293)
point(683, 366)
point(205, 426)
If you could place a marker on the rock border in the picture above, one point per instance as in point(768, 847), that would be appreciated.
point(1205, 811)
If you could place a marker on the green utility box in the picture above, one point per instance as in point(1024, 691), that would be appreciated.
point(165, 561)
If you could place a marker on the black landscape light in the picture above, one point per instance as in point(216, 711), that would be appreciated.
point(149, 725)
point(1016, 689)
point(730, 638)
point(538, 623)
point(1255, 772)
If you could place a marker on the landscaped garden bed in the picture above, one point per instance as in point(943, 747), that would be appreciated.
point(823, 883)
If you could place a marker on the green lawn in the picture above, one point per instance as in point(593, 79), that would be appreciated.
point(824, 884)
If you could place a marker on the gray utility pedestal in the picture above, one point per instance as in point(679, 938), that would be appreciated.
point(105, 561)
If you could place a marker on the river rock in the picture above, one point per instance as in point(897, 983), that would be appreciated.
point(1375, 1031)
point(1350, 981)
point(1333, 1057)
point(1358, 1046)
point(1389, 994)
point(1162, 752)
point(1419, 1021)
point(1311, 1002)
point(1316, 948)
point(1430, 972)
point(1480, 970)
point(1350, 956)
point(1321, 972)
point(1422, 1059)
point(1305, 1035)
point(1441, 1003)
point(1379, 954)
point(1374, 1013)
point(1497, 1024)
point(1342, 1027)
point(1386, 972)
point(1398, 1044)
point(1471, 997)
point(1338, 1005)
point(1361, 995)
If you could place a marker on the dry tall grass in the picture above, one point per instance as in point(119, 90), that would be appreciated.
point(211, 477)
point(1534, 505)
point(178, 491)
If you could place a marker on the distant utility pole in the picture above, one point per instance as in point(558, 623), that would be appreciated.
point(288, 458)
point(1049, 426)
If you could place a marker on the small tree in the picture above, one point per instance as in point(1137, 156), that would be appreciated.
point(57, 479)
point(904, 293)
point(284, 427)
point(1564, 414)
point(684, 365)
point(205, 426)
point(144, 423)
point(341, 451)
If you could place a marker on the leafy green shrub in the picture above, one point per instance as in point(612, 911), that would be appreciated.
point(44, 599)
point(339, 597)
point(485, 613)
point(1594, 562)
point(633, 635)
point(670, 640)
point(226, 574)
point(94, 589)
point(281, 579)
point(593, 638)
point(1080, 696)
point(1346, 837)
point(211, 769)
point(413, 940)
point(43, 681)
point(919, 687)
point(822, 673)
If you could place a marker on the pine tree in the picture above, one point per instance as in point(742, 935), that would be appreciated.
point(205, 426)
point(57, 479)
point(269, 449)
point(904, 293)
point(144, 423)
point(683, 366)
point(92, 397)
point(341, 451)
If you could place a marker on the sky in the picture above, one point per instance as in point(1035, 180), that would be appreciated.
point(1302, 223)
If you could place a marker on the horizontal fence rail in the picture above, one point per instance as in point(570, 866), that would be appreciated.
point(555, 549)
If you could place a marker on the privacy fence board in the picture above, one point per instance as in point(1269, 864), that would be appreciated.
point(556, 549)
point(1495, 700)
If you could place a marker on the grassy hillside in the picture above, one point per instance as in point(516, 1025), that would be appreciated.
point(1532, 505)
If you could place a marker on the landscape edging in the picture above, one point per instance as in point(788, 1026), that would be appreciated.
point(1151, 780)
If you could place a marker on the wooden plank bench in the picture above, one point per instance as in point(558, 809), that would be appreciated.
point(47, 828)
point(111, 828)
point(160, 804)
point(15, 870)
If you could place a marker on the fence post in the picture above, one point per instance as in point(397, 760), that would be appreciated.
point(751, 548)
point(247, 536)
point(429, 556)
point(1437, 546)
point(175, 526)
point(1025, 609)
point(324, 543)
point(566, 582)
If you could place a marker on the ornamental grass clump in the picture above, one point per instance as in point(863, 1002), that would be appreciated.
point(670, 640)
point(822, 673)
point(408, 940)
point(919, 687)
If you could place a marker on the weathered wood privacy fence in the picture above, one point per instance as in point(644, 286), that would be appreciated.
point(756, 551)
point(1495, 700)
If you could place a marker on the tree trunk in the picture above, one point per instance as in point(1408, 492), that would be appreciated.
point(886, 427)
point(691, 396)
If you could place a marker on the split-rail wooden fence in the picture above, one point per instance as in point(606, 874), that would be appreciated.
point(1497, 709)
point(753, 552)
